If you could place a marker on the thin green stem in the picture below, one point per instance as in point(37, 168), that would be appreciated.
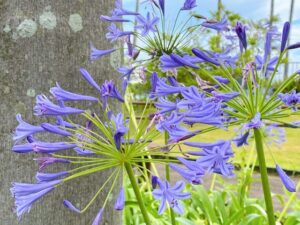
point(264, 176)
point(137, 193)
point(167, 168)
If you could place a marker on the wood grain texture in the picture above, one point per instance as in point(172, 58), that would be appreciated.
point(30, 64)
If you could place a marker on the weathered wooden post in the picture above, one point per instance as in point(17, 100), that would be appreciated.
point(42, 42)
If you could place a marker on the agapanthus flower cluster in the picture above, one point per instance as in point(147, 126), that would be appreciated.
point(104, 140)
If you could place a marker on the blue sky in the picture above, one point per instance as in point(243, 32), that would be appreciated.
point(249, 9)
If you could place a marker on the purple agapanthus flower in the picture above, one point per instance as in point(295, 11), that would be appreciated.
point(98, 217)
point(160, 88)
point(126, 71)
point(27, 194)
point(242, 139)
point(70, 206)
point(55, 129)
point(162, 6)
point(42, 147)
point(165, 106)
point(119, 11)
point(223, 57)
point(45, 107)
point(214, 156)
point(204, 57)
point(98, 53)
point(172, 61)
point(63, 95)
point(287, 182)
point(114, 33)
point(255, 122)
point(120, 202)
point(109, 89)
point(171, 124)
point(224, 97)
point(48, 160)
point(113, 19)
point(189, 4)
point(240, 30)
point(46, 177)
point(120, 129)
point(86, 75)
point(25, 129)
point(221, 25)
point(221, 79)
point(193, 172)
point(169, 194)
point(285, 35)
point(146, 24)
point(294, 46)
point(290, 99)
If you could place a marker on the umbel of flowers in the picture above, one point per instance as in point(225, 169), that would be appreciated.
point(109, 143)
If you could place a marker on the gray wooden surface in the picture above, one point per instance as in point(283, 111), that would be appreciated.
point(42, 42)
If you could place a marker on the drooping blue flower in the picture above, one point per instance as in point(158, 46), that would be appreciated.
point(63, 95)
point(146, 24)
point(120, 129)
point(55, 129)
point(294, 46)
point(224, 97)
point(290, 99)
point(221, 25)
point(203, 56)
point(240, 30)
point(27, 194)
point(191, 176)
point(173, 61)
point(87, 76)
point(126, 71)
point(61, 122)
point(154, 80)
point(162, 6)
point(113, 19)
point(171, 124)
point(25, 129)
point(255, 122)
point(223, 57)
point(120, 202)
point(114, 33)
point(287, 182)
point(98, 53)
point(109, 89)
point(70, 206)
point(160, 88)
point(119, 11)
point(242, 140)
point(221, 79)
point(48, 160)
point(45, 177)
point(214, 156)
point(169, 194)
point(45, 107)
point(285, 35)
point(42, 147)
point(154, 181)
point(193, 173)
point(189, 4)
point(98, 217)
point(165, 106)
